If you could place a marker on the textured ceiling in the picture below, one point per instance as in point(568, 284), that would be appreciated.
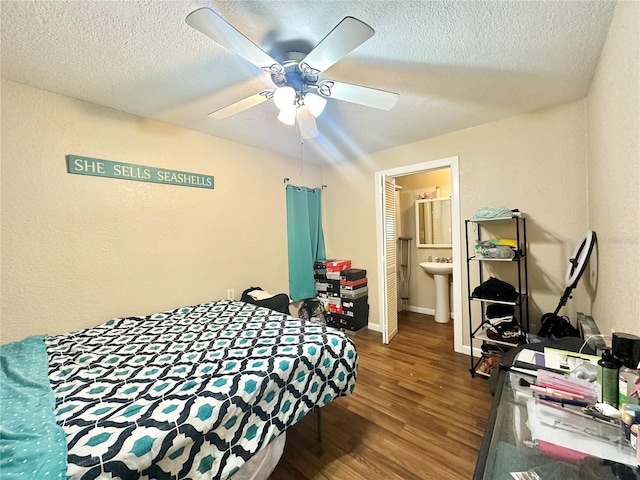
point(455, 64)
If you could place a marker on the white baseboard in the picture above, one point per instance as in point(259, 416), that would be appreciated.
point(466, 349)
point(375, 327)
point(423, 310)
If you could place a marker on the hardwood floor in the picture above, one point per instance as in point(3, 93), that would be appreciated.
point(416, 413)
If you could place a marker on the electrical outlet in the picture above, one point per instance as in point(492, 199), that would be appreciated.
point(231, 294)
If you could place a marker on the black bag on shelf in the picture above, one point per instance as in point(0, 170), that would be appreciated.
point(494, 289)
point(497, 310)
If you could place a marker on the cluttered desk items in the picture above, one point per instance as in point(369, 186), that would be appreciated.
point(552, 359)
point(534, 438)
point(568, 433)
point(547, 424)
point(581, 406)
point(566, 419)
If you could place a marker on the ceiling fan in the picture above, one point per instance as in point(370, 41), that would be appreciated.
point(298, 91)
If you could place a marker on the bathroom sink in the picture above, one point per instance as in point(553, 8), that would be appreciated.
point(437, 268)
point(440, 272)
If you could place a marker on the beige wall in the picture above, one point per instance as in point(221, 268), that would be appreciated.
point(78, 250)
point(538, 163)
point(534, 162)
point(614, 173)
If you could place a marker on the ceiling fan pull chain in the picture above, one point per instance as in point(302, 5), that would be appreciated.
point(301, 143)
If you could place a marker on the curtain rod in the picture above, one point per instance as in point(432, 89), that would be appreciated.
point(286, 180)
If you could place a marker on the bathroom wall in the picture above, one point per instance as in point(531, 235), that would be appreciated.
point(421, 285)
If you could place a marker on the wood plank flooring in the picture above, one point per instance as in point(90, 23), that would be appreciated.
point(415, 414)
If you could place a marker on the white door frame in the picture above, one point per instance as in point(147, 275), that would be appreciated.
point(453, 164)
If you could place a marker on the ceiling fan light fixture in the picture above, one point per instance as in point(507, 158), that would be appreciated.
point(294, 73)
point(284, 98)
point(287, 115)
point(315, 103)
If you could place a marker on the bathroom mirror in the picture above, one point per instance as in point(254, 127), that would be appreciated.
point(433, 222)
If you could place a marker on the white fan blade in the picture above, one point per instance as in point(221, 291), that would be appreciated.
point(220, 31)
point(371, 97)
point(349, 34)
point(244, 104)
point(306, 123)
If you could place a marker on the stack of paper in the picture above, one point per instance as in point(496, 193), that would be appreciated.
point(574, 431)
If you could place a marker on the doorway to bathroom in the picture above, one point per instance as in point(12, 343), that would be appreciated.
point(392, 223)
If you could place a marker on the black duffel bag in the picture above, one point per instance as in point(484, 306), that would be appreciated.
point(278, 302)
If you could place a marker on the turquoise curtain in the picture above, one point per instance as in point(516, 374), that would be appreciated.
point(305, 239)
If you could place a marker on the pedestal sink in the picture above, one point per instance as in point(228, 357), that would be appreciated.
point(440, 272)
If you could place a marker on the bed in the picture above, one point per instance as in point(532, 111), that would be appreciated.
point(192, 393)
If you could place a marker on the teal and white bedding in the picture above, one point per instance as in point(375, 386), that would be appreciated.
point(32, 445)
point(191, 393)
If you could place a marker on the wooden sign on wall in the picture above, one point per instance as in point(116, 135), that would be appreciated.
point(139, 173)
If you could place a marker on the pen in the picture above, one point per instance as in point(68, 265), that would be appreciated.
point(563, 401)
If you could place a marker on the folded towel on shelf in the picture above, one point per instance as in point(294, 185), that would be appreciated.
point(490, 249)
point(495, 213)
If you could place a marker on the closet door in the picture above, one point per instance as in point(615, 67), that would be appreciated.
point(390, 326)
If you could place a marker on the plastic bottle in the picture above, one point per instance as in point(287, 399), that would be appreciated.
point(626, 348)
point(607, 377)
point(627, 378)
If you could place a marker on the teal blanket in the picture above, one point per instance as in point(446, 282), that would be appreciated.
point(32, 445)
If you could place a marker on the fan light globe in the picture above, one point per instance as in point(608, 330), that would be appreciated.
point(315, 104)
point(284, 97)
point(306, 122)
point(288, 115)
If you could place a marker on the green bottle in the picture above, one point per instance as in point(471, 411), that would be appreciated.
point(607, 377)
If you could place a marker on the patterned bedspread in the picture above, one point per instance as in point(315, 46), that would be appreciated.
point(191, 393)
